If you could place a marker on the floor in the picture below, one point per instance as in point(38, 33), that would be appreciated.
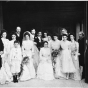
point(54, 83)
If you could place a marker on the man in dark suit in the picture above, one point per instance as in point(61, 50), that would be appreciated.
point(19, 34)
point(38, 40)
point(1, 51)
point(81, 51)
point(33, 32)
point(86, 61)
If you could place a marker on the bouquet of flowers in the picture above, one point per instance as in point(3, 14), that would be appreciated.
point(55, 53)
point(25, 60)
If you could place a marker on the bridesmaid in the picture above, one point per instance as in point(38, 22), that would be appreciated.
point(55, 45)
point(45, 69)
point(75, 54)
point(5, 73)
point(66, 59)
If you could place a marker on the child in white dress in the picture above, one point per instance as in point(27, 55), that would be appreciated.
point(15, 60)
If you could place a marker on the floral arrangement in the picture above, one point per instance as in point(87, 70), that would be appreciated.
point(25, 60)
point(55, 53)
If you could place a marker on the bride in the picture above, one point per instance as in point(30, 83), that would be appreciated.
point(45, 69)
point(28, 52)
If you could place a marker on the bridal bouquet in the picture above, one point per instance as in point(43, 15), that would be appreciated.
point(25, 60)
point(55, 53)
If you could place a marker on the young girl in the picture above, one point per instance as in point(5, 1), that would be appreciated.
point(15, 60)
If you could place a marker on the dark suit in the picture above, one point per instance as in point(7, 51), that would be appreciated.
point(81, 57)
point(60, 37)
point(1, 49)
point(86, 65)
point(19, 38)
point(39, 42)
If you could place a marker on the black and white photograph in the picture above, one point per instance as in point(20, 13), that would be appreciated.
point(43, 43)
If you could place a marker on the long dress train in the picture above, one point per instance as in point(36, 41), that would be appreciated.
point(36, 57)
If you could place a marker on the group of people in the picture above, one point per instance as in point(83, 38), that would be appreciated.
point(26, 56)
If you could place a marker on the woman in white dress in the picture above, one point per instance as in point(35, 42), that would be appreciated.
point(5, 73)
point(75, 54)
point(45, 69)
point(66, 59)
point(55, 45)
point(28, 51)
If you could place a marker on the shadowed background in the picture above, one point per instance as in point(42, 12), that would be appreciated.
point(43, 15)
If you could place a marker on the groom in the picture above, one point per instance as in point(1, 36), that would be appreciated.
point(38, 40)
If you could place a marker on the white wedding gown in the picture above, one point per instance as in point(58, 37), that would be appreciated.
point(45, 69)
point(28, 69)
